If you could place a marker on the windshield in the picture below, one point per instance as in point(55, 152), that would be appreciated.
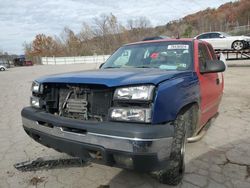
point(171, 55)
point(225, 34)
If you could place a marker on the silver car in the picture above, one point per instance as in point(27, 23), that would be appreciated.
point(4, 64)
point(2, 68)
point(224, 41)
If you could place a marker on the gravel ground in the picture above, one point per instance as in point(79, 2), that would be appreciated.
point(220, 159)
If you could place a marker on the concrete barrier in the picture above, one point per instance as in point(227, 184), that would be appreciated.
point(74, 60)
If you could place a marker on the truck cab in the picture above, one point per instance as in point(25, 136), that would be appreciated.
point(135, 112)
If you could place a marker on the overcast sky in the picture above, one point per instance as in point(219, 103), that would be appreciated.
point(21, 20)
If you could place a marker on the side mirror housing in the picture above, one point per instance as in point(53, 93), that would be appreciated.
point(213, 66)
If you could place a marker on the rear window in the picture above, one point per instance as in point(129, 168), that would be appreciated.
point(212, 52)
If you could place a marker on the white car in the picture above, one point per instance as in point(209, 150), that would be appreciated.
point(224, 41)
point(2, 68)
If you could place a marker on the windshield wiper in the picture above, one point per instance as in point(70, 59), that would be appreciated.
point(128, 67)
point(143, 66)
point(111, 67)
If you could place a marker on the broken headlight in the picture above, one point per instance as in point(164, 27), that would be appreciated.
point(37, 87)
point(37, 90)
point(35, 102)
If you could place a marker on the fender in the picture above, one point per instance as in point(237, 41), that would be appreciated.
point(172, 95)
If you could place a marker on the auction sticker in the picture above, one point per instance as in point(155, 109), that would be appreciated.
point(178, 47)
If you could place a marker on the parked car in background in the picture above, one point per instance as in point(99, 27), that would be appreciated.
point(224, 41)
point(2, 68)
point(156, 38)
point(28, 63)
point(4, 63)
point(20, 61)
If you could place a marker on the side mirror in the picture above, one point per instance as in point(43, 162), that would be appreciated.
point(221, 36)
point(213, 66)
point(101, 65)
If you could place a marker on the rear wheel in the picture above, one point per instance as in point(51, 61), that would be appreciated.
point(173, 173)
point(238, 45)
point(2, 69)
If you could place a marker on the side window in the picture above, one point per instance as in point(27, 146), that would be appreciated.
point(214, 35)
point(203, 36)
point(203, 56)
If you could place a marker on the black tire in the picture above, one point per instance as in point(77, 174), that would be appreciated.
point(238, 45)
point(173, 173)
point(2, 69)
point(192, 120)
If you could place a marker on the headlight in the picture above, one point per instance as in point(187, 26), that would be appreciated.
point(36, 87)
point(35, 102)
point(135, 93)
point(131, 114)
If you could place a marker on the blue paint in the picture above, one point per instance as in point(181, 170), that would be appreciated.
point(173, 95)
point(174, 89)
point(113, 77)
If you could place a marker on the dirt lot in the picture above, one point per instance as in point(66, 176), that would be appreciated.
point(220, 159)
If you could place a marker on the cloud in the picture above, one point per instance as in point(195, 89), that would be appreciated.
point(21, 20)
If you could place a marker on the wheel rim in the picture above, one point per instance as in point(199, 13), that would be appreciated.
point(238, 45)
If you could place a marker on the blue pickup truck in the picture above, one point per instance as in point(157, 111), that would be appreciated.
point(136, 111)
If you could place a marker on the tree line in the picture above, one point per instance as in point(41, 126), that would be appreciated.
point(103, 36)
point(225, 18)
point(105, 33)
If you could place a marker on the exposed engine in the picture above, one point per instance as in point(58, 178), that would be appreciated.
point(84, 103)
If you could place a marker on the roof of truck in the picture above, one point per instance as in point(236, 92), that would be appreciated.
point(163, 40)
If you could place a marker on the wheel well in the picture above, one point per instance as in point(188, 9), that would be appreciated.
point(237, 41)
point(192, 117)
point(187, 107)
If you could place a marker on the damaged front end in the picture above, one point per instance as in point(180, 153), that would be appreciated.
point(90, 103)
point(99, 123)
point(85, 103)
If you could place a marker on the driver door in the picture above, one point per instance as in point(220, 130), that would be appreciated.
point(209, 87)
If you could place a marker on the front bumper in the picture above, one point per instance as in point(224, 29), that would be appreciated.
point(141, 147)
point(246, 44)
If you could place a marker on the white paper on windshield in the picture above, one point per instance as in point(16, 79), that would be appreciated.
point(178, 47)
point(168, 67)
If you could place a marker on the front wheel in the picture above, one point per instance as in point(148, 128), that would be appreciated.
point(173, 173)
point(238, 45)
point(2, 69)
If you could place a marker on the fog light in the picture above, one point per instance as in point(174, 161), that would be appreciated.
point(123, 160)
point(35, 102)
